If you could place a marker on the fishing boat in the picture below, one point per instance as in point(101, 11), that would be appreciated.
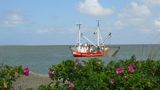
point(89, 49)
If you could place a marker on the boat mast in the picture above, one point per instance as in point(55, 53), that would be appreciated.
point(98, 33)
point(99, 37)
point(79, 33)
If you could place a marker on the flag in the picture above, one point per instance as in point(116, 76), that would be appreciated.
point(81, 34)
point(110, 34)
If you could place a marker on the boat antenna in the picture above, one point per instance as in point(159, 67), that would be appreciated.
point(79, 33)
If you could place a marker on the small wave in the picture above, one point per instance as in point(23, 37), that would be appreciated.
point(38, 74)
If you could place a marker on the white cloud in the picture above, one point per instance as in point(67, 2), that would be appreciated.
point(157, 23)
point(44, 30)
point(136, 10)
point(50, 30)
point(119, 24)
point(135, 16)
point(140, 10)
point(13, 19)
point(93, 7)
point(152, 2)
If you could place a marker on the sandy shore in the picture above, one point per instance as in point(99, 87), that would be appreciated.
point(31, 81)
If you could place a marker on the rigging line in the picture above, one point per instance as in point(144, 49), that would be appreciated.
point(89, 40)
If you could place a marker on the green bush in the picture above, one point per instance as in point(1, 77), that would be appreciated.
point(8, 74)
point(95, 75)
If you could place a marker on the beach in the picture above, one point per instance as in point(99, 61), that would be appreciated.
point(32, 81)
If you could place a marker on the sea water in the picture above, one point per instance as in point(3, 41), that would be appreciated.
point(40, 58)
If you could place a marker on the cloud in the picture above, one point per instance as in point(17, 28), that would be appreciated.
point(139, 10)
point(136, 10)
point(152, 2)
point(92, 7)
point(44, 30)
point(157, 22)
point(13, 18)
point(50, 30)
point(119, 24)
point(136, 15)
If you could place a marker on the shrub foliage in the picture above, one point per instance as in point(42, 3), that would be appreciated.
point(93, 74)
point(9, 74)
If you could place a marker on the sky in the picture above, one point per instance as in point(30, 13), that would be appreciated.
point(53, 22)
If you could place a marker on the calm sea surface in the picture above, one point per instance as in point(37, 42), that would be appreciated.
point(40, 58)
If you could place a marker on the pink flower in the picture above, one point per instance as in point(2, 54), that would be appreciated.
point(119, 70)
point(133, 65)
point(71, 85)
point(131, 68)
point(112, 82)
point(78, 63)
point(50, 74)
point(26, 71)
point(14, 88)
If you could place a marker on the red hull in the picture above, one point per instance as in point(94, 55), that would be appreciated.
point(87, 54)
